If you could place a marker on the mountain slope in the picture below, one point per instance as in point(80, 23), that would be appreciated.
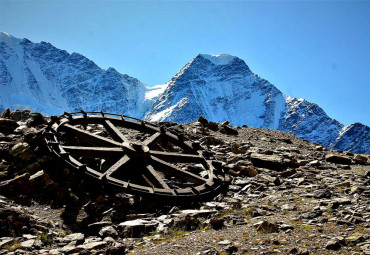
point(40, 77)
point(222, 87)
point(219, 91)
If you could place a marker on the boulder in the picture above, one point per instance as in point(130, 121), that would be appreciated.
point(7, 125)
point(5, 113)
point(266, 227)
point(272, 162)
point(337, 159)
point(136, 228)
point(203, 121)
point(108, 231)
point(228, 130)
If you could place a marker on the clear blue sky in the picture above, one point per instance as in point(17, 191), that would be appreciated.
point(317, 50)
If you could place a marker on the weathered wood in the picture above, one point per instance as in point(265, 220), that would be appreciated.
point(176, 171)
point(154, 177)
point(89, 137)
point(114, 131)
point(119, 164)
point(93, 152)
point(152, 139)
point(177, 157)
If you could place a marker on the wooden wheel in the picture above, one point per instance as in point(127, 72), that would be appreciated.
point(136, 156)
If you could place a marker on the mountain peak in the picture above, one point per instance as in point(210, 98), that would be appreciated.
point(5, 37)
point(220, 59)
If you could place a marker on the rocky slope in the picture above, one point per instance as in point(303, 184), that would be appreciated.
point(42, 78)
point(284, 196)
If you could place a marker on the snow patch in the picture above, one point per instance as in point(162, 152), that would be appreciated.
point(220, 59)
point(155, 91)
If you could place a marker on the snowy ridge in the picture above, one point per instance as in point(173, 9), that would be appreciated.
point(222, 87)
point(42, 78)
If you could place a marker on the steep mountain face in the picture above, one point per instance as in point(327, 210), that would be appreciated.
point(219, 88)
point(307, 120)
point(222, 87)
point(355, 137)
point(40, 77)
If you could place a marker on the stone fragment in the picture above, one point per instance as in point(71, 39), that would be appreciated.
point(5, 113)
point(216, 223)
point(135, 228)
point(35, 119)
point(18, 115)
point(116, 249)
point(355, 239)
point(224, 242)
point(7, 125)
point(108, 231)
point(268, 161)
point(333, 245)
point(28, 244)
point(360, 159)
point(238, 149)
point(94, 228)
point(92, 245)
point(225, 123)
point(248, 171)
point(203, 121)
point(337, 159)
point(231, 249)
point(5, 241)
point(213, 126)
point(16, 182)
point(78, 237)
point(229, 130)
point(266, 227)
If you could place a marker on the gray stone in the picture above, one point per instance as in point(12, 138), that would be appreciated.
point(272, 162)
point(338, 159)
point(108, 231)
point(92, 245)
point(266, 227)
point(28, 244)
point(135, 228)
point(333, 245)
point(78, 237)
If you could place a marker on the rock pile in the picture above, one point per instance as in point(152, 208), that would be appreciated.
point(284, 195)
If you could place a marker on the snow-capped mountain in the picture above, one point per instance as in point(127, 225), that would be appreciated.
point(40, 77)
point(222, 87)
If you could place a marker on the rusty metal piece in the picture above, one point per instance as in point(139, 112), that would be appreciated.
point(138, 167)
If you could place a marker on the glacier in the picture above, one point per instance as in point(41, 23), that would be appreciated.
point(43, 78)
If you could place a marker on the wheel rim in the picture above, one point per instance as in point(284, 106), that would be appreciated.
point(139, 166)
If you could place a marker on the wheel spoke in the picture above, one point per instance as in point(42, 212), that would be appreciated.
point(176, 171)
point(90, 138)
point(93, 152)
point(154, 177)
point(152, 139)
point(177, 157)
point(115, 132)
point(119, 164)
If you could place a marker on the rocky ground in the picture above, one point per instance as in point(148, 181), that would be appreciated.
point(284, 196)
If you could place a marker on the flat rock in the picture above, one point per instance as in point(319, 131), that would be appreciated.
point(338, 159)
point(272, 162)
point(73, 237)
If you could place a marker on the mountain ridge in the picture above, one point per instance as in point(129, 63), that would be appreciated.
point(40, 77)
